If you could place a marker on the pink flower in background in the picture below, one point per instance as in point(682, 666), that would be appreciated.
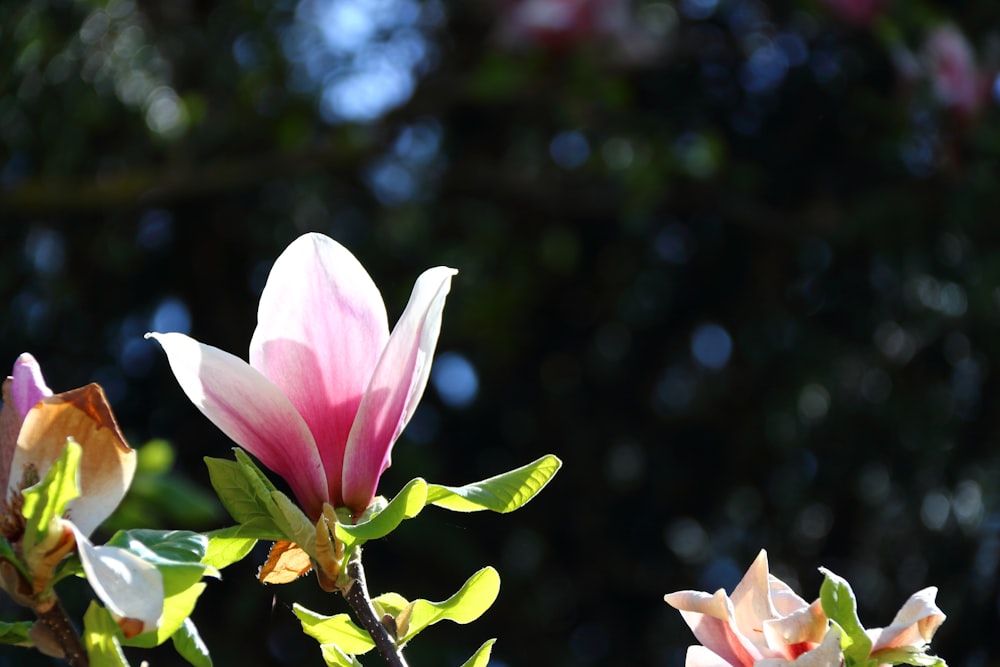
point(858, 12)
point(327, 390)
point(957, 81)
point(763, 622)
point(560, 23)
point(914, 625)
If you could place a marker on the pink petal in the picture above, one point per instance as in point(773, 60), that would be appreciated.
point(914, 625)
point(785, 600)
point(321, 326)
point(248, 408)
point(827, 654)
point(752, 600)
point(395, 389)
point(699, 656)
point(710, 618)
point(806, 626)
point(28, 386)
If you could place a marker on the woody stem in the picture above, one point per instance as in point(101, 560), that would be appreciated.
point(61, 629)
point(357, 596)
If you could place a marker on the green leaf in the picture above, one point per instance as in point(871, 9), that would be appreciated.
point(242, 498)
point(295, 524)
point(100, 638)
point(475, 596)
point(8, 554)
point(481, 658)
point(177, 554)
point(407, 504)
point(169, 546)
point(188, 643)
point(47, 500)
point(178, 557)
point(503, 493)
point(257, 504)
point(339, 630)
point(177, 607)
point(333, 656)
point(841, 607)
point(16, 633)
point(908, 656)
point(250, 467)
point(227, 546)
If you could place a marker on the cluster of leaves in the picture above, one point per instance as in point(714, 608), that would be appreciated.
point(841, 607)
point(176, 555)
point(263, 512)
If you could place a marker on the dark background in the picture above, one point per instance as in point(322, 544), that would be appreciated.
point(736, 262)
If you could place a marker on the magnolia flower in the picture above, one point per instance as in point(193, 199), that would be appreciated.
point(34, 428)
point(957, 81)
point(858, 12)
point(763, 623)
point(327, 390)
point(913, 627)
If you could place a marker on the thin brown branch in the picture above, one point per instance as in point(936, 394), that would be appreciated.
point(357, 596)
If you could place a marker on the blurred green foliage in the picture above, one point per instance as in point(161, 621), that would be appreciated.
point(736, 262)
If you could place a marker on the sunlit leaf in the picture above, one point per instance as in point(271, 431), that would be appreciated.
point(188, 643)
point(15, 633)
point(100, 638)
point(295, 524)
point(841, 607)
point(339, 630)
point(502, 493)
point(407, 504)
point(907, 655)
point(250, 467)
point(240, 498)
point(177, 554)
point(7, 553)
point(168, 546)
point(470, 602)
point(481, 658)
point(227, 546)
point(333, 656)
point(177, 606)
point(47, 500)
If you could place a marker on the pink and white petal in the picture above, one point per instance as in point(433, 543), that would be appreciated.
point(248, 408)
point(914, 624)
point(321, 327)
point(805, 626)
point(710, 618)
point(785, 600)
point(396, 388)
point(131, 588)
point(752, 600)
point(28, 386)
point(699, 656)
point(827, 654)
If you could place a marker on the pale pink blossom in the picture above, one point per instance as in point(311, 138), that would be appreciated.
point(957, 81)
point(914, 625)
point(327, 390)
point(763, 622)
point(858, 12)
